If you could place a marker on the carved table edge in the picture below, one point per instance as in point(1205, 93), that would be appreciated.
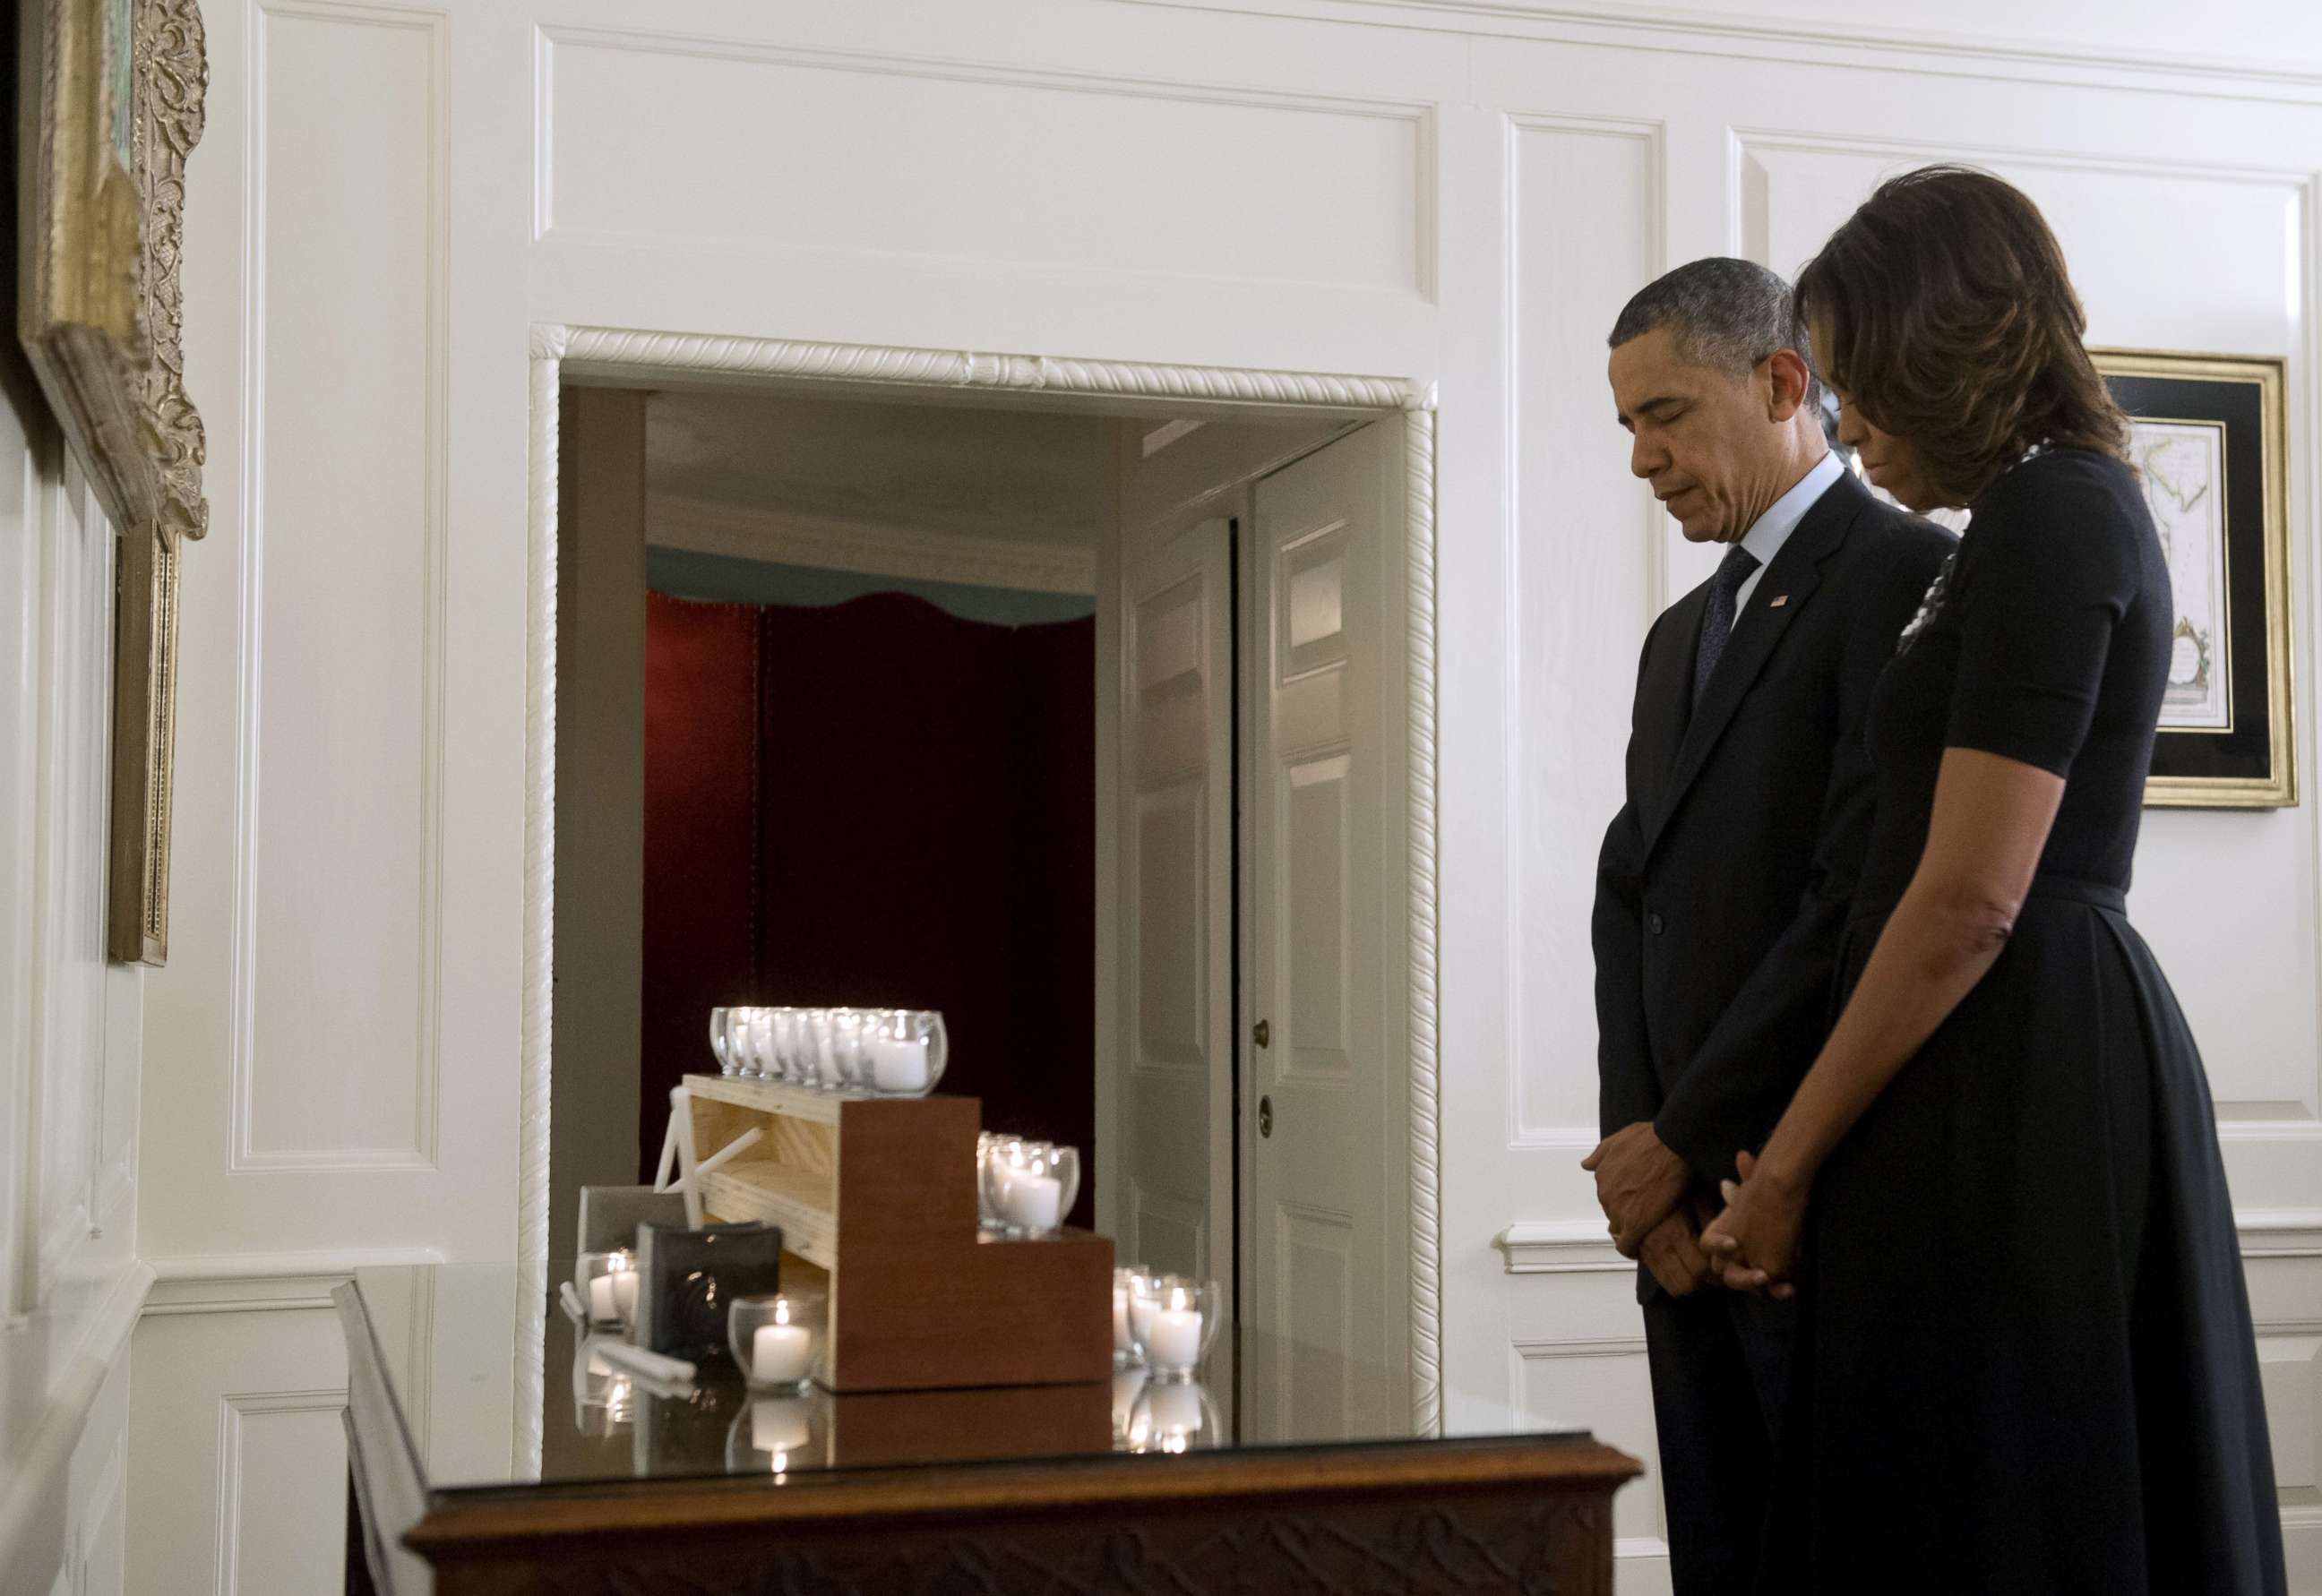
point(484, 1521)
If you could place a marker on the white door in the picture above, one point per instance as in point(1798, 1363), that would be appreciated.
point(1325, 1127)
point(1173, 1195)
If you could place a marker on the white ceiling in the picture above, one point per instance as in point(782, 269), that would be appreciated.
point(1030, 476)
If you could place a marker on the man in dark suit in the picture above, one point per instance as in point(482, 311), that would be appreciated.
point(1722, 887)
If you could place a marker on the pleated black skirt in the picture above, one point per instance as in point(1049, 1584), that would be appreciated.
point(2025, 1360)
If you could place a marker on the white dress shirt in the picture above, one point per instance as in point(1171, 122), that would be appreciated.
point(1771, 531)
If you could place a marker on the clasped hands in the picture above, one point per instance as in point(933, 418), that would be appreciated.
point(1655, 1216)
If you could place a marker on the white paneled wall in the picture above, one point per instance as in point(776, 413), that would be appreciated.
point(390, 197)
point(70, 1032)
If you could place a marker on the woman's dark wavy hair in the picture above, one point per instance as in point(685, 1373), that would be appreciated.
point(1942, 309)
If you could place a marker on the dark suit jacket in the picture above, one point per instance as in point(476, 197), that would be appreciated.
point(1724, 881)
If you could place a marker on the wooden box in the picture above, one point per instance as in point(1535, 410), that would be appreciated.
point(879, 1195)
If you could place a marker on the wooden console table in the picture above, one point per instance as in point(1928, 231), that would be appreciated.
point(996, 1491)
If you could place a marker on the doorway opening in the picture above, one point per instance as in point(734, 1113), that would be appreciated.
point(1249, 653)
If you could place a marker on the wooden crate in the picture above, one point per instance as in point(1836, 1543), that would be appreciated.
point(879, 1195)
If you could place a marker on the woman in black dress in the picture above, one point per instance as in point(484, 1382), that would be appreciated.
point(2025, 1360)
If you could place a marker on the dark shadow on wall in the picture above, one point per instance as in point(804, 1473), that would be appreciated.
point(875, 803)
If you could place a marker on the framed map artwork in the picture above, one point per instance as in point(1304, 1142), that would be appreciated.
point(2208, 441)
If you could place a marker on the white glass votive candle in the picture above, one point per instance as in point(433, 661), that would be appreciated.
point(609, 1285)
point(1038, 1183)
point(904, 1050)
point(774, 1342)
point(1183, 1324)
point(721, 1035)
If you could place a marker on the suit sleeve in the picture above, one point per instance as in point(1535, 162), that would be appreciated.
point(1736, 1088)
point(1627, 1088)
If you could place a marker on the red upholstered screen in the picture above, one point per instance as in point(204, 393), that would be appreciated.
point(924, 800)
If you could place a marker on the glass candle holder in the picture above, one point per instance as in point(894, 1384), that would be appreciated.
point(1124, 1344)
point(777, 1344)
point(849, 1031)
point(1183, 1323)
point(607, 1284)
point(1004, 1158)
point(1144, 1302)
point(602, 1398)
point(720, 1043)
point(904, 1050)
point(758, 1051)
point(1174, 1415)
point(788, 1062)
point(1128, 1385)
point(1038, 1189)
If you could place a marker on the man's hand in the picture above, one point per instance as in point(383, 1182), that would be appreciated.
point(1672, 1251)
point(1639, 1183)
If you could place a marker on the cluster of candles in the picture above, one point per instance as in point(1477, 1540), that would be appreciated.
point(1025, 1187)
point(862, 1052)
point(1163, 1323)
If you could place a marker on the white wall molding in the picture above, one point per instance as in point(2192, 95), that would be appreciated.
point(1668, 29)
point(32, 1483)
point(431, 468)
point(264, 1282)
point(1582, 1247)
point(1559, 1246)
point(1416, 219)
point(235, 1413)
point(829, 542)
point(609, 353)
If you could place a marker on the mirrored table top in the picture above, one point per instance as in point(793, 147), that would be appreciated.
point(444, 1335)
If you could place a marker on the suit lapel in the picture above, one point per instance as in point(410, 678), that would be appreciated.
point(1793, 577)
point(1663, 699)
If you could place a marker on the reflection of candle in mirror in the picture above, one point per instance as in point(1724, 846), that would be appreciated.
point(780, 1352)
point(899, 1064)
point(1032, 1200)
point(1120, 1342)
point(778, 1424)
point(1174, 1409)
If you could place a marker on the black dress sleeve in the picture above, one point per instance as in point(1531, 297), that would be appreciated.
point(2055, 569)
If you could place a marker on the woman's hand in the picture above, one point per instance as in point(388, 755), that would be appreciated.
point(1756, 1238)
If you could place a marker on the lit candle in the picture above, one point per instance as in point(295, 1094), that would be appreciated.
point(778, 1424)
point(1141, 1310)
point(899, 1064)
point(1120, 1342)
point(1175, 1340)
point(1032, 1201)
point(780, 1352)
point(613, 1296)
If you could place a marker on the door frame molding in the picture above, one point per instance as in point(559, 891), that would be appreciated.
point(561, 354)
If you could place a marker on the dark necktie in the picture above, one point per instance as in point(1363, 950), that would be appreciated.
point(1717, 626)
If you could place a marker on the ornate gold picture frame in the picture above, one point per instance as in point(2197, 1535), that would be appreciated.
point(2209, 437)
point(111, 97)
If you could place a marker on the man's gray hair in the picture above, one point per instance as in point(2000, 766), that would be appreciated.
point(1725, 313)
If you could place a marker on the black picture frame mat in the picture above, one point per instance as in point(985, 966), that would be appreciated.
point(2245, 752)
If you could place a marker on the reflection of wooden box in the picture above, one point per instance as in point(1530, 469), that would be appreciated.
point(880, 1193)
